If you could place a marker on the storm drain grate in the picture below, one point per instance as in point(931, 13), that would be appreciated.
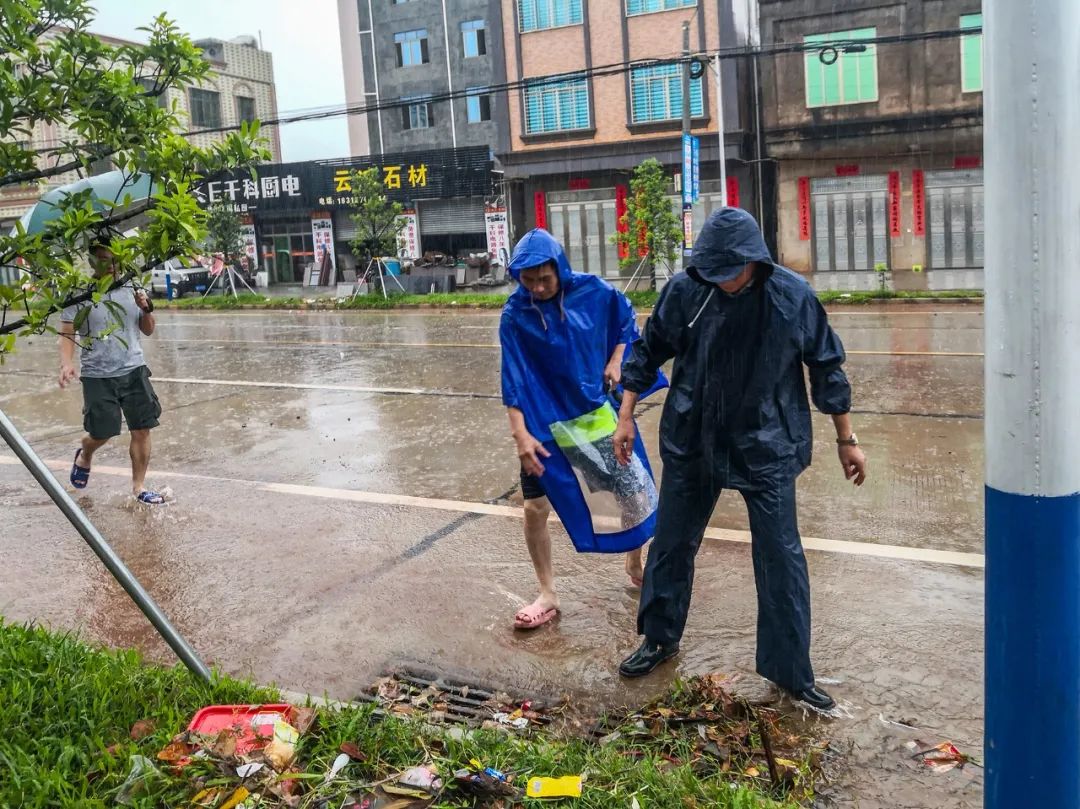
point(452, 700)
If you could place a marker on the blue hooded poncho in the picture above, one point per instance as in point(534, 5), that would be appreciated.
point(554, 353)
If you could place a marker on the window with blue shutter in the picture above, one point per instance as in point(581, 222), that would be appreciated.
point(648, 6)
point(556, 106)
point(537, 15)
point(656, 94)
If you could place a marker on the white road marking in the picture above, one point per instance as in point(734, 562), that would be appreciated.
point(872, 549)
point(243, 383)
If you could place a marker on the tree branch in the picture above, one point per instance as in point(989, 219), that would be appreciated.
point(40, 174)
point(82, 297)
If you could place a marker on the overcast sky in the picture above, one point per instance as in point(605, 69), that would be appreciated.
point(302, 35)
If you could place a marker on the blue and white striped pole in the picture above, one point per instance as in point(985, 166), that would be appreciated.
point(1032, 68)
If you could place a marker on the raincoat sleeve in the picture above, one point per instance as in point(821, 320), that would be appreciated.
point(823, 354)
point(623, 320)
point(513, 368)
point(655, 346)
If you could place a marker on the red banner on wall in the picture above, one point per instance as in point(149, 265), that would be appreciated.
point(918, 202)
point(733, 192)
point(894, 203)
point(620, 222)
point(804, 209)
point(848, 170)
point(540, 206)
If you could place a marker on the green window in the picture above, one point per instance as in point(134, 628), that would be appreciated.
point(850, 79)
point(971, 61)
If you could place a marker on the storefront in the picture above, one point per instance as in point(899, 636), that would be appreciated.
point(909, 225)
point(298, 216)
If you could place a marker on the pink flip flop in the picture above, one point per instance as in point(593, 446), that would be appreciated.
point(636, 582)
point(534, 616)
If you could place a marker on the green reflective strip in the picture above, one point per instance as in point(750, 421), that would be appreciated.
point(587, 429)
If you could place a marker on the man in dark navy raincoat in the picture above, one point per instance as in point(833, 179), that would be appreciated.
point(740, 329)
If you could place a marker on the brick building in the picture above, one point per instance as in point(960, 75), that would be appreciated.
point(574, 143)
point(877, 148)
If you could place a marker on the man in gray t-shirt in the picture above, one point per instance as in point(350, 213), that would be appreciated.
point(114, 375)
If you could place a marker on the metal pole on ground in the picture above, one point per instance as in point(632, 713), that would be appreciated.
point(104, 552)
point(1032, 738)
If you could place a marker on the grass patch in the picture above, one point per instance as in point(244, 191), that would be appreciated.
point(68, 711)
point(869, 296)
point(641, 299)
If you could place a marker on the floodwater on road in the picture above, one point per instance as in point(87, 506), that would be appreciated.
point(346, 500)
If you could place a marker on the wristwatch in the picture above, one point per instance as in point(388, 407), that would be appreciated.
point(848, 442)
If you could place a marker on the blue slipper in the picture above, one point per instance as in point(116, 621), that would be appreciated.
point(80, 475)
point(150, 498)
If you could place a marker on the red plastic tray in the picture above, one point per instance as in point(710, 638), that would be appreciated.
point(254, 724)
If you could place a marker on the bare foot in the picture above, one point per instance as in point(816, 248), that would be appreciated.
point(634, 568)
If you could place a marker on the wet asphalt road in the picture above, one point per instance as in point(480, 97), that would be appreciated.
point(344, 501)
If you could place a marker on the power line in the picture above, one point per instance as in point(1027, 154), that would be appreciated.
point(612, 69)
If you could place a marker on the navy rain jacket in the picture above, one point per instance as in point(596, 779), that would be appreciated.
point(738, 408)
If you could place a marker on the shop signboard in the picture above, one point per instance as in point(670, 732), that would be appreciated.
point(325, 185)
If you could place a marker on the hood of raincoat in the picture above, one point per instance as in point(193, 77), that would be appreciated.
point(539, 247)
point(729, 240)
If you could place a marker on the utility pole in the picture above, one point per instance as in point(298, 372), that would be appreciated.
point(753, 39)
point(722, 159)
point(1032, 405)
point(687, 179)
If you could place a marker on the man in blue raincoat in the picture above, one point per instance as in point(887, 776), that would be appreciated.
point(563, 335)
point(740, 329)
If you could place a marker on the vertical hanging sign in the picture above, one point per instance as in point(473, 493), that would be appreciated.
point(251, 247)
point(696, 162)
point(621, 225)
point(804, 209)
point(894, 204)
point(687, 170)
point(322, 235)
point(733, 192)
point(918, 201)
point(540, 209)
point(498, 236)
point(409, 235)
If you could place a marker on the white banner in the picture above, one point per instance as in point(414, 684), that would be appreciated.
point(322, 234)
point(409, 235)
point(251, 246)
point(498, 232)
